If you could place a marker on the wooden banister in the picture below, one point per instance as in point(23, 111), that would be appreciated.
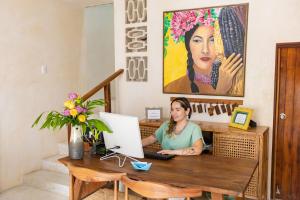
point(102, 84)
point(107, 95)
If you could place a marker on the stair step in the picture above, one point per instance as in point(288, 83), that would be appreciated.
point(49, 181)
point(52, 164)
point(63, 148)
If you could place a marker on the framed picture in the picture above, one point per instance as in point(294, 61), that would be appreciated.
point(241, 117)
point(153, 113)
point(204, 50)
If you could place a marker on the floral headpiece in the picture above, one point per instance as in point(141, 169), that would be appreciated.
point(184, 21)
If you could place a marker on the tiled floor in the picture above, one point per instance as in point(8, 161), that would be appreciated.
point(30, 193)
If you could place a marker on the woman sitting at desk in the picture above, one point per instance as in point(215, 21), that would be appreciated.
point(178, 136)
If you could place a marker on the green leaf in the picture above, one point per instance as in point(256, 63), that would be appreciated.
point(94, 103)
point(83, 128)
point(99, 125)
point(37, 120)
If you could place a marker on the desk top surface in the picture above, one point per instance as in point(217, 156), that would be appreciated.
point(211, 173)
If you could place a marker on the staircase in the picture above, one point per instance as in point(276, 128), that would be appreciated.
point(52, 181)
point(53, 177)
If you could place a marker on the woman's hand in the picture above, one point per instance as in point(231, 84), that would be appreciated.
point(168, 152)
point(227, 72)
point(196, 149)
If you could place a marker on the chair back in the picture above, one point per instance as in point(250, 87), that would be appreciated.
point(158, 190)
point(89, 175)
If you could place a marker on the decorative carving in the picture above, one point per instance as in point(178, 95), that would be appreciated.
point(135, 11)
point(136, 39)
point(136, 68)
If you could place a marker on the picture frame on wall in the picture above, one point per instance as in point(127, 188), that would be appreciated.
point(241, 117)
point(154, 114)
point(204, 50)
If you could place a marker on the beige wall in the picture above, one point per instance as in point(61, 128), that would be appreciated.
point(269, 22)
point(34, 33)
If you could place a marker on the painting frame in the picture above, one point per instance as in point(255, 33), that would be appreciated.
point(176, 76)
point(241, 117)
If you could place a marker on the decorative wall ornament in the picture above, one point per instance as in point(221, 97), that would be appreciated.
point(136, 69)
point(135, 11)
point(136, 39)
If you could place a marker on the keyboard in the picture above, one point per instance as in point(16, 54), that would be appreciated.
point(157, 156)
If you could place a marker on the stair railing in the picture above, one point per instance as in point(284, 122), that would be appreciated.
point(107, 94)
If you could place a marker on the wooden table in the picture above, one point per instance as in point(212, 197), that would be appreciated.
point(218, 175)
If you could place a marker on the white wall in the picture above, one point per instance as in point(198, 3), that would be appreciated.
point(34, 33)
point(269, 22)
point(97, 61)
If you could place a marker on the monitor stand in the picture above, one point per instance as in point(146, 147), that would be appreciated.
point(117, 155)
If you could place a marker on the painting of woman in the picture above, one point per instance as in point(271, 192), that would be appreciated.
point(204, 51)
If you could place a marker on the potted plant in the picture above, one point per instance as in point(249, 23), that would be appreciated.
point(78, 114)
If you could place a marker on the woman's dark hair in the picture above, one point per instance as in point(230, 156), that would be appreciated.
point(190, 63)
point(185, 104)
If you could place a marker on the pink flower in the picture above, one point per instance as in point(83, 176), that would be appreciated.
point(183, 21)
point(66, 112)
point(79, 109)
point(73, 95)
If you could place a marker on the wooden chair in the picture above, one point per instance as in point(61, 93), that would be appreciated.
point(158, 190)
point(81, 174)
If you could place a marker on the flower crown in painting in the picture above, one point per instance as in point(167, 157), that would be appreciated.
point(183, 21)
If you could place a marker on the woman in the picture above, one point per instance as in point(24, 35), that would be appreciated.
point(208, 72)
point(178, 136)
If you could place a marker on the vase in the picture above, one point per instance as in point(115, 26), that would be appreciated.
point(76, 143)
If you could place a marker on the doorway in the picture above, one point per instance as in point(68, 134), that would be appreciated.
point(286, 137)
point(98, 60)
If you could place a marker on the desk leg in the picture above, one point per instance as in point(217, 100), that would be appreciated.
point(77, 189)
point(71, 189)
point(216, 196)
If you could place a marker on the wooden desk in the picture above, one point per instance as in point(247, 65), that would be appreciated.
point(234, 143)
point(215, 174)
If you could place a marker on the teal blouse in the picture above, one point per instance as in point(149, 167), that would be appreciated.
point(188, 136)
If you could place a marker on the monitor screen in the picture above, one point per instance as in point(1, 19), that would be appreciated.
point(125, 134)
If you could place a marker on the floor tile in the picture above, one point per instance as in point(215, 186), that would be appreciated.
point(30, 193)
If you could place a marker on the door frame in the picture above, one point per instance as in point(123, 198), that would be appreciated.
point(276, 110)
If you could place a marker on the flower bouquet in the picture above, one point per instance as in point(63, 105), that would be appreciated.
point(76, 113)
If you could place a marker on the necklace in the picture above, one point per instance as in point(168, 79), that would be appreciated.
point(202, 78)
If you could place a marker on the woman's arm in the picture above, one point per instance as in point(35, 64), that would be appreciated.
point(196, 149)
point(149, 140)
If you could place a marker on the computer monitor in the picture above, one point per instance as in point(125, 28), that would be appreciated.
point(125, 137)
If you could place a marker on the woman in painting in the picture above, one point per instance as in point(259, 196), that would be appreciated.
point(214, 45)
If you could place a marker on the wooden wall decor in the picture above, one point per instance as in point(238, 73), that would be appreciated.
point(136, 11)
point(136, 40)
point(213, 106)
point(136, 68)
